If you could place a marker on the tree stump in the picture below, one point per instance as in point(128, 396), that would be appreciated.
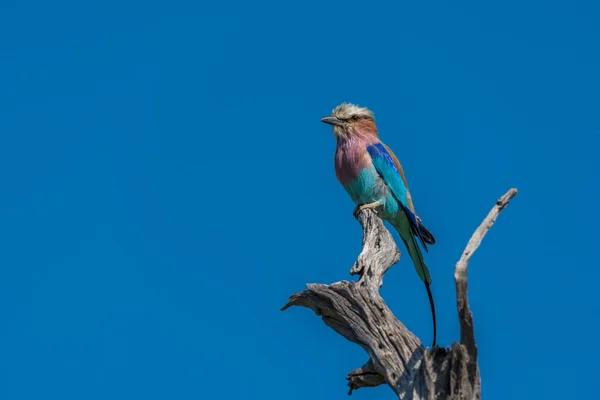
point(397, 357)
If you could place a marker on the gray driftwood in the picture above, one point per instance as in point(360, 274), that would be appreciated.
point(397, 357)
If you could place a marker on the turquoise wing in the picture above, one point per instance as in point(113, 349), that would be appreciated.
point(384, 164)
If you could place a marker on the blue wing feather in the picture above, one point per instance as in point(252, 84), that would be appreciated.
point(384, 164)
point(414, 226)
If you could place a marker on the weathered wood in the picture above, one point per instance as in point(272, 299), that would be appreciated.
point(397, 357)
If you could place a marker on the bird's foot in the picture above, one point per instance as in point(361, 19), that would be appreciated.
point(371, 206)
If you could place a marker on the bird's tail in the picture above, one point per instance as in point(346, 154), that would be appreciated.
point(414, 251)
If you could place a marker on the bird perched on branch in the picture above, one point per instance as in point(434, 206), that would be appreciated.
point(373, 177)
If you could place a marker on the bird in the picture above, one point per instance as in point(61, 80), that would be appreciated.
point(374, 179)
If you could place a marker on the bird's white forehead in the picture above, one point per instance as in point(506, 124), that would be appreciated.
point(347, 110)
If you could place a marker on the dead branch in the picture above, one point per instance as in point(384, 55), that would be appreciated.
point(397, 357)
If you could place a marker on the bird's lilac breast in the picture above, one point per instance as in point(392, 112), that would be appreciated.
point(357, 174)
point(349, 161)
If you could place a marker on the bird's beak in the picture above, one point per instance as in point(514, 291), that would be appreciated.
point(332, 121)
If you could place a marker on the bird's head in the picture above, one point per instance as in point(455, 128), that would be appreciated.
point(349, 121)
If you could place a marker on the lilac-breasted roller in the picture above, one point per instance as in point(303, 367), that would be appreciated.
point(373, 177)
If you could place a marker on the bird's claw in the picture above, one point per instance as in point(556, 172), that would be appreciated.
point(372, 206)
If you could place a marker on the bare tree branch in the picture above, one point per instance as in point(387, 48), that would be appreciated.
point(365, 376)
point(397, 357)
point(465, 317)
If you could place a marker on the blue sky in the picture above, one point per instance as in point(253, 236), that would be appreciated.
point(167, 185)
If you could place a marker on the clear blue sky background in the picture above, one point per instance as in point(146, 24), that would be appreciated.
point(167, 184)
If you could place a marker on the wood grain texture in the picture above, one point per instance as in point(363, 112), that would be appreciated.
point(397, 357)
